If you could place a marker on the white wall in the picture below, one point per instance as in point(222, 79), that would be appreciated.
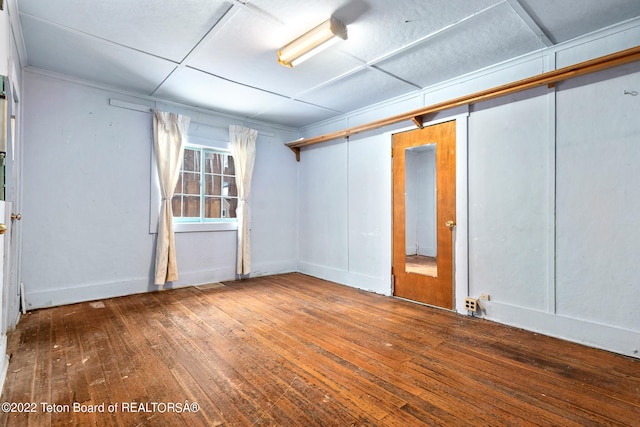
point(87, 198)
point(10, 66)
point(598, 193)
point(553, 196)
point(345, 212)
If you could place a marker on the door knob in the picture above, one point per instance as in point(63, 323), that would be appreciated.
point(450, 224)
point(3, 228)
point(16, 216)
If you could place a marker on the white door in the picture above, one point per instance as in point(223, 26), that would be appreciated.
point(12, 289)
point(9, 220)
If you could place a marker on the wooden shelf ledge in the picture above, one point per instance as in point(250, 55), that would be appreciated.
point(417, 116)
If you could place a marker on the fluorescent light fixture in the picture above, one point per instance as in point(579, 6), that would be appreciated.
point(312, 42)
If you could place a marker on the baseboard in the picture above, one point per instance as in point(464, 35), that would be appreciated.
point(583, 332)
point(4, 368)
point(103, 290)
point(379, 285)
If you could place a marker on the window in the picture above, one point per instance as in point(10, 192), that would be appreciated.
point(206, 190)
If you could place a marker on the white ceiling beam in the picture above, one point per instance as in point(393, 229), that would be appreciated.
point(531, 23)
point(215, 28)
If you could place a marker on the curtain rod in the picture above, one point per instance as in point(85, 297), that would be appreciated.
point(549, 78)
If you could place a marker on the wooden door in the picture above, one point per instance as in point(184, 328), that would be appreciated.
point(425, 277)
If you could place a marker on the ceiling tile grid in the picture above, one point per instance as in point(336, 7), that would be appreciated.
point(568, 19)
point(192, 87)
point(56, 49)
point(221, 54)
point(494, 36)
point(167, 29)
point(366, 87)
point(247, 54)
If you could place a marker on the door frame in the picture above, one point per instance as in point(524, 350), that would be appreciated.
point(461, 232)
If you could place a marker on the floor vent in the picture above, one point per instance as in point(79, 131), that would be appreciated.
point(210, 286)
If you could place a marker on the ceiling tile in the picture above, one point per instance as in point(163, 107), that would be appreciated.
point(248, 55)
point(196, 88)
point(74, 54)
point(492, 37)
point(568, 19)
point(168, 29)
point(295, 114)
point(227, 48)
point(379, 29)
point(366, 87)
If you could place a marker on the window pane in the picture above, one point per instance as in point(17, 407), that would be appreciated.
point(213, 185)
point(176, 206)
point(212, 207)
point(178, 188)
point(191, 160)
point(191, 206)
point(230, 206)
point(230, 188)
point(213, 162)
point(230, 168)
point(191, 183)
point(206, 187)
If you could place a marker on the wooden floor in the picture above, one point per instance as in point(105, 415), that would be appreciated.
point(291, 350)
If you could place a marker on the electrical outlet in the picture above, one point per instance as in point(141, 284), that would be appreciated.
point(485, 297)
point(471, 304)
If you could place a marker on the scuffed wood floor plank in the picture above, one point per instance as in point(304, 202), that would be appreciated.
point(291, 350)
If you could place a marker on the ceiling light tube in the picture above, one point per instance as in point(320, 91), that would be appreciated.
point(312, 42)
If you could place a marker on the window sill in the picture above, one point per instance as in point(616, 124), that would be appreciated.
point(193, 227)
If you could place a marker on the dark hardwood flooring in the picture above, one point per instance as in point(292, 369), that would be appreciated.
point(291, 350)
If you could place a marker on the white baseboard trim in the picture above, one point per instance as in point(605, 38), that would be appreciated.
point(4, 360)
point(591, 334)
point(103, 290)
point(378, 285)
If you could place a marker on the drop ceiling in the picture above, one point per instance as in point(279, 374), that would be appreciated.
point(221, 55)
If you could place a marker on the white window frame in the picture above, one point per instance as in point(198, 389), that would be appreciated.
point(201, 150)
point(185, 227)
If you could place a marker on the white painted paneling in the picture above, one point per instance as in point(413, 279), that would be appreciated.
point(369, 189)
point(5, 42)
point(599, 198)
point(323, 207)
point(87, 201)
point(508, 156)
point(274, 208)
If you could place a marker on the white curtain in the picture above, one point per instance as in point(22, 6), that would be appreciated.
point(243, 148)
point(169, 138)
